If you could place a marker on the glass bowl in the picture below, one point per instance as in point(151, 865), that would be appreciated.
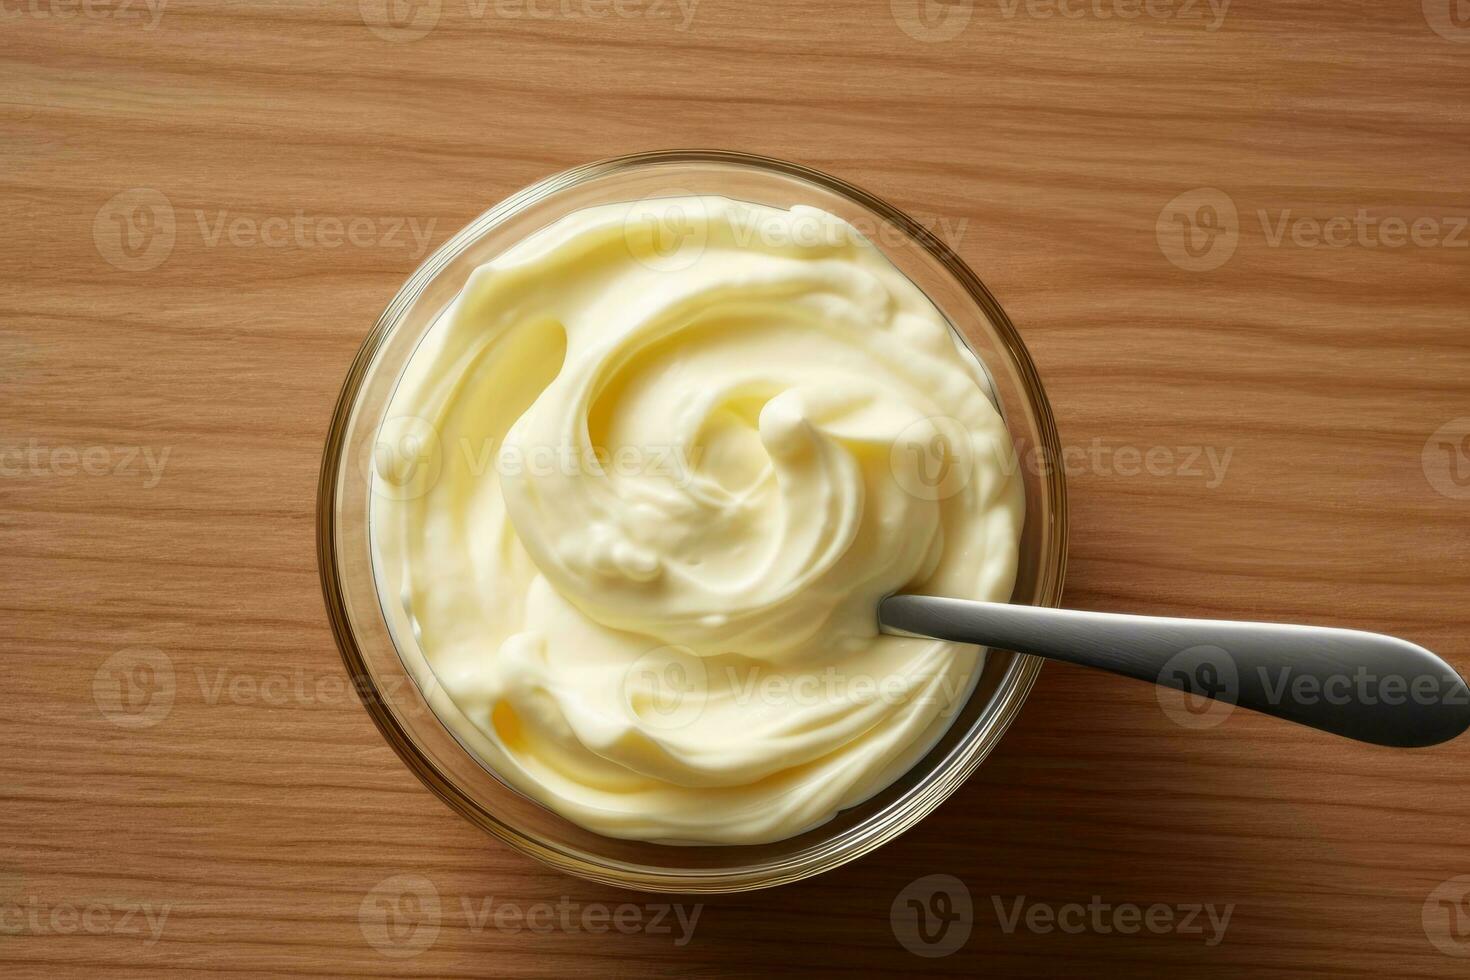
point(404, 706)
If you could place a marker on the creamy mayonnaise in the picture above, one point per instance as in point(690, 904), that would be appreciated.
point(640, 491)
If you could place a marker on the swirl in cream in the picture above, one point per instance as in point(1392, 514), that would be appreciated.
point(664, 490)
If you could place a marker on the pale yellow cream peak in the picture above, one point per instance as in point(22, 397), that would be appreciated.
point(640, 490)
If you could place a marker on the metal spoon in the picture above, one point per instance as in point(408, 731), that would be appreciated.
point(1367, 686)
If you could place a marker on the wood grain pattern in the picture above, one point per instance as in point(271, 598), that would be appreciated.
point(262, 808)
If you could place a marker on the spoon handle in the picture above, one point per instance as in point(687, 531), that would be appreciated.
point(1367, 686)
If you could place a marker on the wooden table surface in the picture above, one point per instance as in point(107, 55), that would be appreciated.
point(1233, 237)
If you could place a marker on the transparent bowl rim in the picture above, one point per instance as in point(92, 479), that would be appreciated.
point(1002, 710)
